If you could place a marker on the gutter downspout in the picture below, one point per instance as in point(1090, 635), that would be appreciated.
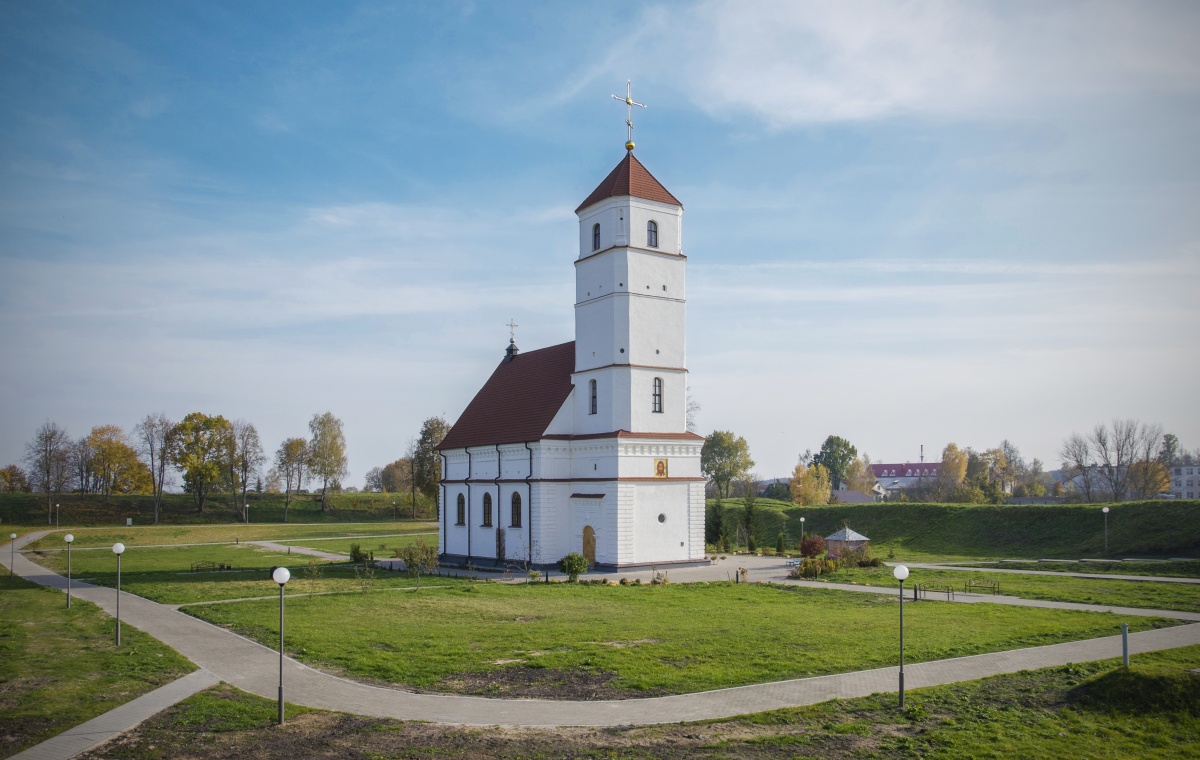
point(529, 496)
point(470, 462)
point(442, 505)
point(499, 501)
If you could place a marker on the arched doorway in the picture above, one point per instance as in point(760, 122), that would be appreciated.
point(589, 545)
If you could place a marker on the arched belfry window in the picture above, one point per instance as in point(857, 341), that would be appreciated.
point(652, 234)
point(592, 396)
point(656, 402)
point(487, 510)
point(462, 510)
point(595, 237)
point(516, 510)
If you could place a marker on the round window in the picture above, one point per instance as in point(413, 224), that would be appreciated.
point(662, 518)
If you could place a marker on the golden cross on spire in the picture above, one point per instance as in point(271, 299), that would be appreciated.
point(629, 104)
point(512, 330)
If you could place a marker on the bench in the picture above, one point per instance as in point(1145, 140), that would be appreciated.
point(979, 583)
point(208, 567)
point(939, 588)
point(793, 563)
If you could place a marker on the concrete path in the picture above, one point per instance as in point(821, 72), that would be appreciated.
point(100, 729)
point(1099, 576)
point(301, 550)
point(255, 668)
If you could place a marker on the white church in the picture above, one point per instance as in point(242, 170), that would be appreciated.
point(583, 447)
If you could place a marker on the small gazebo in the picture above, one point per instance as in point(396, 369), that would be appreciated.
point(846, 540)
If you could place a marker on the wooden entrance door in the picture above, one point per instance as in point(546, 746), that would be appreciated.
point(589, 545)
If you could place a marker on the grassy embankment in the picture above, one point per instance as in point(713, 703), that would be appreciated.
point(941, 531)
point(29, 510)
point(1096, 710)
point(631, 640)
point(60, 667)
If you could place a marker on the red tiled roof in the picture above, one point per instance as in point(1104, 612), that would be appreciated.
point(518, 401)
point(629, 178)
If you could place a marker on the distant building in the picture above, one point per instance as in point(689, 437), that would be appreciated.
point(1185, 482)
point(846, 540)
point(847, 496)
point(898, 477)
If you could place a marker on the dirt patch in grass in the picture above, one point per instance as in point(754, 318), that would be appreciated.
point(541, 683)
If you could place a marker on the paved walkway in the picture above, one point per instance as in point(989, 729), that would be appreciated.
point(100, 729)
point(300, 550)
point(255, 668)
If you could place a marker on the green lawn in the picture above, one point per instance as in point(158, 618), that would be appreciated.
point(202, 534)
point(59, 667)
point(1176, 569)
point(1081, 711)
point(383, 545)
point(1164, 596)
point(655, 639)
point(164, 574)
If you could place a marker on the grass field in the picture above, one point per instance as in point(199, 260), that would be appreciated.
point(635, 640)
point(1168, 569)
point(1096, 710)
point(1165, 596)
point(164, 574)
point(59, 667)
point(201, 534)
point(918, 532)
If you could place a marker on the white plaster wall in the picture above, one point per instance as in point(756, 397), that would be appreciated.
point(623, 220)
point(643, 418)
point(656, 541)
point(637, 458)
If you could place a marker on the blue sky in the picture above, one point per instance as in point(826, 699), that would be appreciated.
point(906, 223)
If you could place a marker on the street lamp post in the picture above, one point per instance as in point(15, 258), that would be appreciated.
point(57, 515)
point(1105, 511)
point(801, 530)
point(395, 510)
point(281, 575)
point(69, 539)
point(118, 549)
point(12, 553)
point(901, 572)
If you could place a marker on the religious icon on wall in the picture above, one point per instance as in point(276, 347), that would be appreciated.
point(660, 468)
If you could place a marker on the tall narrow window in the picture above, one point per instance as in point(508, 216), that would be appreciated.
point(487, 510)
point(652, 234)
point(462, 509)
point(656, 402)
point(516, 510)
point(595, 237)
point(592, 396)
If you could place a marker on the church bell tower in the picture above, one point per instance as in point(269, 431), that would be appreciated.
point(630, 295)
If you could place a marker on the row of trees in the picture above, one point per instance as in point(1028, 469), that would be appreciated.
point(210, 452)
point(1125, 460)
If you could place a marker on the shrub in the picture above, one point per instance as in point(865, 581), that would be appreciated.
point(750, 545)
point(357, 555)
point(572, 566)
point(725, 542)
point(418, 557)
point(779, 545)
point(809, 567)
point(811, 546)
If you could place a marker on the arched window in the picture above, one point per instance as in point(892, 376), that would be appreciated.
point(487, 510)
point(656, 403)
point(462, 509)
point(516, 510)
point(592, 396)
point(595, 237)
point(652, 234)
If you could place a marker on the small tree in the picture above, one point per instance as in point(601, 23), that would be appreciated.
point(779, 548)
point(573, 565)
point(418, 558)
point(812, 546)
point(313, 572)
